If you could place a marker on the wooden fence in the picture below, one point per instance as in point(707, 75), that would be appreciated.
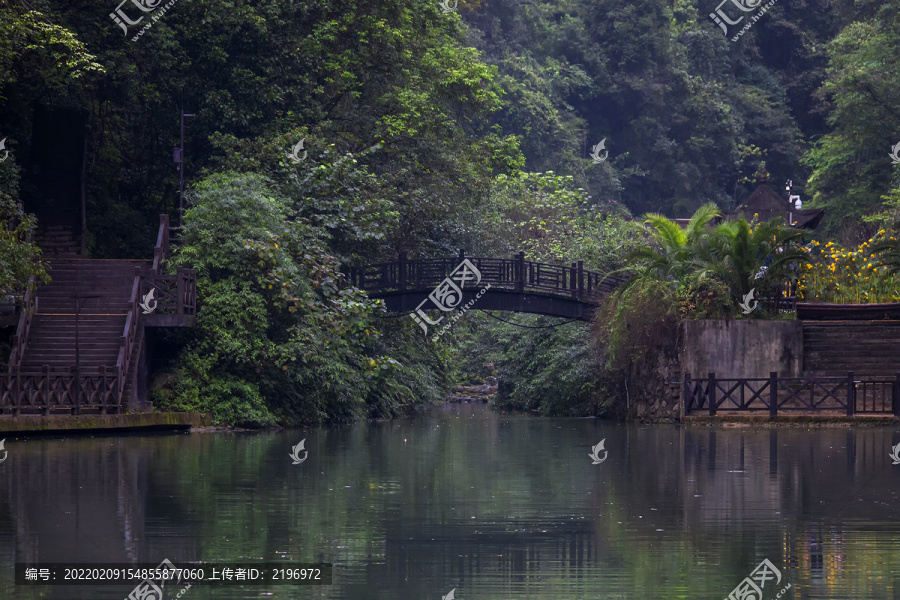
point(39, 390)
point(869, 395)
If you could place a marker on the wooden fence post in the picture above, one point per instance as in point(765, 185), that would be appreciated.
point(895, 397)
point(773, 394)
point(401, 276)
point(520, 272)
point(180, 286)
point(45, 393)
point(580, 278)
point(573, 279)
point(17, 397)
point(75, 390)
point(711, 394)
point(103, 392)
point(851, 394)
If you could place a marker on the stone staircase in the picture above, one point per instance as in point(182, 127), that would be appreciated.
point(101, 319)
point(868, 348)
point(58, 241)
point(79, 342)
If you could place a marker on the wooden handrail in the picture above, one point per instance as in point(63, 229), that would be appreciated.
point(126, 347)
point(129, 333)
point(29, 307)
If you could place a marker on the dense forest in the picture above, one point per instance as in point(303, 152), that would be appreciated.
point(430, 127)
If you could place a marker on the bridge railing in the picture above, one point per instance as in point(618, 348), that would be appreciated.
point(516, 274)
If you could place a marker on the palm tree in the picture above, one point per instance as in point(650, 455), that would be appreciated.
point(746, 257)
point(672, 253)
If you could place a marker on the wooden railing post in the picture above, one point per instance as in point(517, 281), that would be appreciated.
point(773, 394)
point(895, 397)
point(15, 351)
point(401, 275)
point(687, 396)
point(103, 392)
point(45, 390)
point(851, 394)
point(161, 250)
point(573, 280)
point(193, 291)
point(76, 388)
point(179, 282)
point(17, 397)
point(711, 394)
point(581, 279)
point(520, 272)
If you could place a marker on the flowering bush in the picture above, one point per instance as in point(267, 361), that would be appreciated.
point(844, 276)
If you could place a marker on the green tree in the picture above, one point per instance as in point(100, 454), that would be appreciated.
point(850, 167)
point(759, 256)
point(670, 253)
point(37, 59)
point(278, 333)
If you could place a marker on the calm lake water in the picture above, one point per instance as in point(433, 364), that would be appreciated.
point(498, 507)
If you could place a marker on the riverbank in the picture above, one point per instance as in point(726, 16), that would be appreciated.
point(55, 424)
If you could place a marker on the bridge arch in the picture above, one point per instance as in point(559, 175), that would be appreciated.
point(512, 284)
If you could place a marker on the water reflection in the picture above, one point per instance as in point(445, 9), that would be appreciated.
point(496, 506)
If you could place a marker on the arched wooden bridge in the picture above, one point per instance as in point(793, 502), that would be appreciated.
point(515, 284)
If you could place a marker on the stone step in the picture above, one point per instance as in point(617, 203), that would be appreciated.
point(852, 333)
point(104, 358)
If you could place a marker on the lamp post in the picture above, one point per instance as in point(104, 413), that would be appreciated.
point(787, 187)
point(78, 299)
point(178, 155)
